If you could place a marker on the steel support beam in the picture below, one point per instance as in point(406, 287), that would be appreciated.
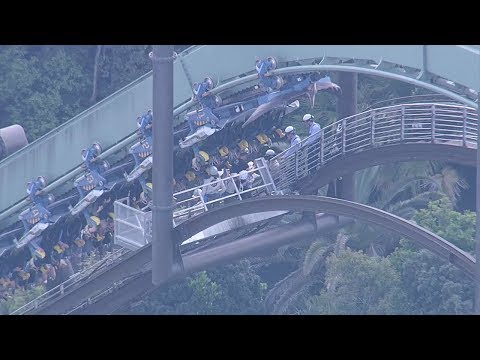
point(162, 211)
point(347, 106)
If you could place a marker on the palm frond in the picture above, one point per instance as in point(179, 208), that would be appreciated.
point(313, 255)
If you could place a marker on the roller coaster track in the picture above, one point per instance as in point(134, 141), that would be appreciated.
point(417, 131)
point(55, 155)
point(425, 131)
point(139, 262)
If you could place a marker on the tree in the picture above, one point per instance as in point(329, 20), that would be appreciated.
point(358, 284)
point(230, 289)
point(432, 285)
point(451, 225)
point(38, 91)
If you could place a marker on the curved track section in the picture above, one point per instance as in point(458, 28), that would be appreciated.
point(139, 261)
point(110, 121)
point(335, 206)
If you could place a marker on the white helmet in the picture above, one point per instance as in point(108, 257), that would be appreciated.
point(243, 175)
point(250, 164)
point(212, 170)
point(270, 152)
point(289, 129)
point(307, 117)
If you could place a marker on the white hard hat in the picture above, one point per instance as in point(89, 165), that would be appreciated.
point(289, 129)
point(307, 117)
point(243, 175)
point(212, 169)
point(270, 152)
point(250, 164)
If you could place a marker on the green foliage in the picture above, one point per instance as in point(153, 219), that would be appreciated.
point(358, 284)
point(451, 225)
point(400, 189)
point(43, 86)
point(231, 289)
point(432, 285)
point(38, 91)
point(20, 298)
point(120, 65)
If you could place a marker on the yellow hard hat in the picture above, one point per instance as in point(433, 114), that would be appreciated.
point(95, 219)
point(80, 242)
point(40, 253)
point(112, 215)
point(262, 139)
point(204, 156)
point(223, 151)
point(190, 175)
point(58, 249)
point(243, 145)
point(150, 185)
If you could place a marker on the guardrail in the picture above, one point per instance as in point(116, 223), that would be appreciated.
point(60, 289)
point(398, 124)
point(133, 227)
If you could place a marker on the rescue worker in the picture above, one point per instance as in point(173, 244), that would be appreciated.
point(294, 141)
point(231, 185)
point(246, 181)
point(272, 164)
point(313, 142)
point(269, 154)
point(212, 188)
point(313, 128)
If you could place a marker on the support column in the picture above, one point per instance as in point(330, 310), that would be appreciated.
point(162, 169)
point(346, 106)
point(477, 236)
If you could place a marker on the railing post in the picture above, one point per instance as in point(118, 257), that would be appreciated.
point(296, 162)
point(61, 289)
point(402, 123)
point(322, 148)
point(464, 127)
point(236, 188)
point(344, 135)
point(267, 178)
point(372, 128)
point(433, 124)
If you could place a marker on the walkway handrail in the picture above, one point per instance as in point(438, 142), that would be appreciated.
point(452, 124)
point(67, 284)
